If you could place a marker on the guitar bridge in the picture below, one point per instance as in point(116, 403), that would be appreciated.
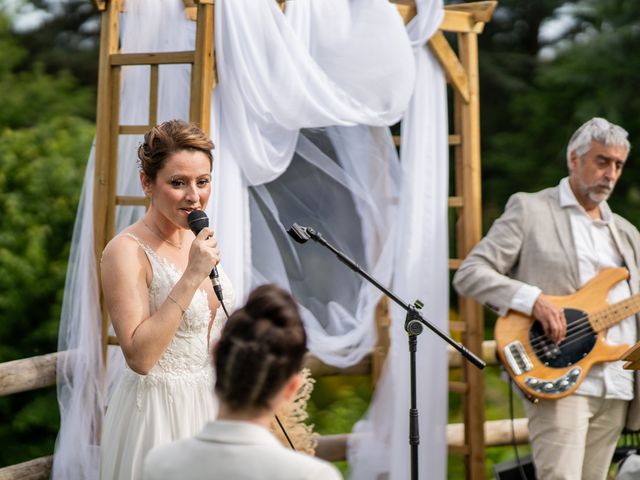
point(517, 358)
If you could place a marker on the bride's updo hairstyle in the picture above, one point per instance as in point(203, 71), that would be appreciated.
point(168, 138)
point(260, 348)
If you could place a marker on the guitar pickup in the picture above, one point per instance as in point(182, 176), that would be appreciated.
point(517, 358)
point(557, 386)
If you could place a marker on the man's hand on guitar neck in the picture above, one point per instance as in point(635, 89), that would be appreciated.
point(551, 317)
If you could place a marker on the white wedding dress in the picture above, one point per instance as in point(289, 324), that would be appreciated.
point(175, 399)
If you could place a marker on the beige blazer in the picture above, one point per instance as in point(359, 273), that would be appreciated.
point(233, 450)
point(531, 243)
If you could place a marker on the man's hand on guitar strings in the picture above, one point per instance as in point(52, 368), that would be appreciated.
point(551, 317)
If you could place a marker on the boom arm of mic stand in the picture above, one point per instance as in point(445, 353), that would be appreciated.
point(466, 353)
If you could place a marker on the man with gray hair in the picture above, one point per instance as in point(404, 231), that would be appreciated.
point(552, 242)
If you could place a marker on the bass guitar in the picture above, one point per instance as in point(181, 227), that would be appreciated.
point(543, 369)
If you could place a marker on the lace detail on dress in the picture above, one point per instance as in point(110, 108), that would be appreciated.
point(188, 353)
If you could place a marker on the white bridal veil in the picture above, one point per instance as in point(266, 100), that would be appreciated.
point(300, 123)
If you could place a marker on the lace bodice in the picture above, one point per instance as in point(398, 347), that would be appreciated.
point(188, 352)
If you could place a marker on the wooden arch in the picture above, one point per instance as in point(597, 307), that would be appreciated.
point(462, 23)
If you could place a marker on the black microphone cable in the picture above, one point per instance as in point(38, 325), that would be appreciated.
point(197, 221)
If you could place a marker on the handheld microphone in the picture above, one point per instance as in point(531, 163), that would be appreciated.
point(197, 221)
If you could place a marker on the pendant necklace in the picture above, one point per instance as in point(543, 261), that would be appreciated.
point(179, 247)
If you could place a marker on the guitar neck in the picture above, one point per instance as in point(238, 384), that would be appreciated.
point(615, 313)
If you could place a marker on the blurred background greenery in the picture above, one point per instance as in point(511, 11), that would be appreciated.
point(545, 67)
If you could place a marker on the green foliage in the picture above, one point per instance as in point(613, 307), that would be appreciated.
point(45, 139)
point(337, 403)
point(41, 172)
point(67, 39)
point(594, 73)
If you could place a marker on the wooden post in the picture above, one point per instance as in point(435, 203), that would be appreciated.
point(468, 185)
point(106, 147)
point(380, 351)
point(203, 76)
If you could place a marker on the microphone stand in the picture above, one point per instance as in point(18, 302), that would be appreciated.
point(414, 325)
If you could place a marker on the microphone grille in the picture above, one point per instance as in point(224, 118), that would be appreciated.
point(197, 221)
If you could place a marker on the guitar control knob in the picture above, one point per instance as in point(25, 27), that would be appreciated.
point(532, 382)
point(548, 386)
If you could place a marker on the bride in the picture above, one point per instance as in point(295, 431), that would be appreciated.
point(162, 305)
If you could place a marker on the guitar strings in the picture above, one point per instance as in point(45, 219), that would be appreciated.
point(580, 327)
point(544, 343)
point(576, 327)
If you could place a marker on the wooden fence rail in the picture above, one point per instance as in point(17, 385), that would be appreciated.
point(40, 371)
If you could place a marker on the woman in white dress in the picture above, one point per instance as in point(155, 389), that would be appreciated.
point(161, 303)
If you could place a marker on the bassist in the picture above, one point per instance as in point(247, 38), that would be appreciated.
point(551, 243)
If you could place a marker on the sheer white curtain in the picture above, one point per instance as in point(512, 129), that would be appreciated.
point(323, 64)
point(148, 26)
point(299, 121)
point(420, 272)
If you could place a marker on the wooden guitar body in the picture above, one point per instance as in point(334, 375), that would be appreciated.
point(542, 369)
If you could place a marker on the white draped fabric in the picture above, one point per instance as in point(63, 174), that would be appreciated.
point(420, 272)
point(300, 120)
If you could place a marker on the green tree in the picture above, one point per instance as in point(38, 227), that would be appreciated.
point(66, 38)
point(595, 72)
point(45, 138)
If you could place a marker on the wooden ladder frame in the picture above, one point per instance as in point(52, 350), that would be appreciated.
point(108, 128)
point(466, 21)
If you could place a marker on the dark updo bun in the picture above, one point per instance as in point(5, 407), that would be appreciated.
point(261, 346)
point(168, 138)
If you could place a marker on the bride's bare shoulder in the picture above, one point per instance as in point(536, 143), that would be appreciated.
point(125, 246)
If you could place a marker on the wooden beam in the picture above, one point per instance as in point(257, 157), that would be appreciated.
point(469, 232)
point(133, 129)
point(28, 374)
point(364, 367)
point(407, 11)
point(456, 202)
point(453, 140)
point(132, 201)
point(37, 469)
point(452, 67)
point(459, 387)
point(153, 95)
point(497, 433)
point(381, 349)
point(333, 448)
point(467, 17)
point(480, 11)
point(454, 263)
point(457, 22)
point(105, 146)
point(488, 354)
point(457, 326)
point(152, 58)
point(203, 76)
point(320, 369)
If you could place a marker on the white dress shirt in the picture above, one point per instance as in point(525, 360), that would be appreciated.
point(595, 250)
point(234, 450)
